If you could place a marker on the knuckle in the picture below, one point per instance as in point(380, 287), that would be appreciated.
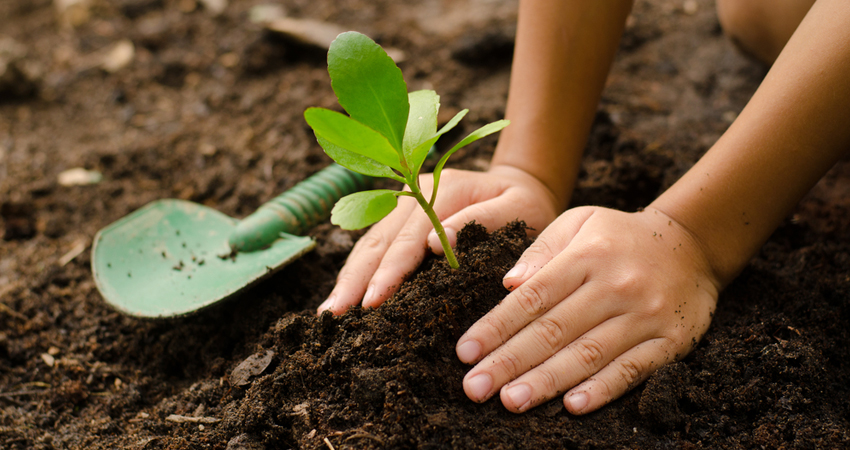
point(541, 249)
point(680, 338)
point(346, 276)
point(598, 245)
point(655, 307)
point(551, 332)
point(626, 374)
point(493, 330)
point(628, 281)
point(590, 353)
point(532, 297)
point(630, 372)
point(669, 347)
point(602, 386)
point(550, 381)
point(509, 363)
point(544, 248)
point(371, 242)
point(350, 278)
point(406, 237)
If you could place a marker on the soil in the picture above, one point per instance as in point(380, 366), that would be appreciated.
point(210, 110)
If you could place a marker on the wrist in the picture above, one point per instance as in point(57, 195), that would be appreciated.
point(724, 255)
point(557, 197)
point(688, 243)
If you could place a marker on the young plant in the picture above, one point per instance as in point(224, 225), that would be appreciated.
point(387, 133)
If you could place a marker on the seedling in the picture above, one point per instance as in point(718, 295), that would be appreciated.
point(387, 133)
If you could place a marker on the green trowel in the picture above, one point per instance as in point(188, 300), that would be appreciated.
point(173, 257)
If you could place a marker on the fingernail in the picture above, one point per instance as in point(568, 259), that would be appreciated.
point(577, 402)
point(369, 298)
point(327, 304)
point(451, 234)
point(480, 386)
point(517, 271)
point(519, 395)
point(469, 351)
point(434, 243)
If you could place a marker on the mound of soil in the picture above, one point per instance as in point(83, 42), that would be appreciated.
point(208, 108)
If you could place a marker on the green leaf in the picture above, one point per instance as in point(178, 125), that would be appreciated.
point(355, 162)
point(361, 209)
point(419, 154)
point(369, 85)
point(486, 130)
point(345, 132)
point(421, 122)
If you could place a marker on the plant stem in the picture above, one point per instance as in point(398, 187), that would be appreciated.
point(438, 227)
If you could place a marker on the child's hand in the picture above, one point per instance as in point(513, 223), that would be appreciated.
point(396, 245)
point(600, 301)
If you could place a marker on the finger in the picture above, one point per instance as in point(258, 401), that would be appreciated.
point(573, 364)
point(403, 256)
point(552, 241)
point(450, 202)
point(364, 259)
point(536, 343)
point(532, 299)
point(491, 214)
point(620, 376)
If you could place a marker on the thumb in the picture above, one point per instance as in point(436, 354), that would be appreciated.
point(489, 214)
point(552, 241)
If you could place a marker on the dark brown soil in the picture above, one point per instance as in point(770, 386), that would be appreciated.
point(209, 110)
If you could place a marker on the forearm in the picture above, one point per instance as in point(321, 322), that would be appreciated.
point(563, 53)
point(792, 131)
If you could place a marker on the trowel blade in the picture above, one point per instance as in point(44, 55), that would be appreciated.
point(171, 257)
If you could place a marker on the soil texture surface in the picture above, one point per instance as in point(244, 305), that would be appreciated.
point(108, 105)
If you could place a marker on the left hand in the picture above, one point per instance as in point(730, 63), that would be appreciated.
point(394, 247)
point(599, 301)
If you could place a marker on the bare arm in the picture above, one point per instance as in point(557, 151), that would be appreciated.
point(563, 53)
point(603, 298)
point(796, 126)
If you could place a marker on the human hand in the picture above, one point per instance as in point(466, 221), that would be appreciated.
point(599, 301)
point(396, 245)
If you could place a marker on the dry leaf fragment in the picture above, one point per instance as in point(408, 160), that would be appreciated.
point(48, 359)
point(252, 366)
point(306, 31)
point(317, 34)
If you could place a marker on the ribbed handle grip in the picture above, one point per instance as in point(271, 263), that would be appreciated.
point(299, 209)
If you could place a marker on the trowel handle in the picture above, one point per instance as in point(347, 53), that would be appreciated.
point(299, 209)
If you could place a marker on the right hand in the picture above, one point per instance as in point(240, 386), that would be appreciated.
point(598, 302)
point(394, 247)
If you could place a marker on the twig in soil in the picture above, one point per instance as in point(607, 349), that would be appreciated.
point(176, 418)
point(18, 393)
point(328, 443)
point(9, 396)
point(79, 247)
point(365, 436)
point(4, 308)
